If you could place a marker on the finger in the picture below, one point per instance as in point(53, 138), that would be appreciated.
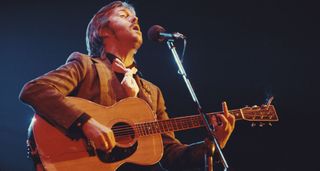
point(225, 109)
point(92, 143)
point(101, 143)
point(109, 138)
point(214, 120)
point(231, 118)
point(224, 122)
point(112, 139)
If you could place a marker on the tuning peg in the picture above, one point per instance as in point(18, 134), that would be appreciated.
point(253, 124)
point(269, 102)
point(261, 124)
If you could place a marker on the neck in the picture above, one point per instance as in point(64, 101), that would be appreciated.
point(125, 55)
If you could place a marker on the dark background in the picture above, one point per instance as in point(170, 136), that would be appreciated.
point(238, 51)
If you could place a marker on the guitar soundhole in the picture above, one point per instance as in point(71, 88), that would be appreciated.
point(124, 134)
point(126, 144)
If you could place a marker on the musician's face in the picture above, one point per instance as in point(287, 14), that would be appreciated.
point(123, 26)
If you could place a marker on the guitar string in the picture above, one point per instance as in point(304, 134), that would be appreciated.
point(164, 122)
point(161, 126)
point(127, 130)
point(144, 129)
point(140, 133)
point(153, 125)
point(184, 120)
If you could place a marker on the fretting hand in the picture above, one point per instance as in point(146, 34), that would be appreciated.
point(225, 128)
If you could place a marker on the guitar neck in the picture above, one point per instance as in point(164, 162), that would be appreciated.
point(177, 124)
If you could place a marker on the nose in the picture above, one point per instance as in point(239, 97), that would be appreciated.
point(134, 19)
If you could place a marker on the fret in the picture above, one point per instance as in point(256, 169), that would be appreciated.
point(236, 113)
point(170, 125)
point(158, 127)
point(193, 121)
point(154, 129)
point(179, 123)
point(182, 123)
point(185, 123)
point(161, 126)
point(148, 128)
point(174, 124)
point(136, 127)
point(165, 126)
point(189, 123)
point(142, 130)
point(197, 121)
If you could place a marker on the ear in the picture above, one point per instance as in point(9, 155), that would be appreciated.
point(104, 32)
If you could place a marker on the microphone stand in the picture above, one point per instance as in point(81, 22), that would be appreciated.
point(211, 141)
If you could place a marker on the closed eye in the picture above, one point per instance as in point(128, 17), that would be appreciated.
point(123, 15)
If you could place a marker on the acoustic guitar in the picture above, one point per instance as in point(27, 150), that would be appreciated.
point(137, 134)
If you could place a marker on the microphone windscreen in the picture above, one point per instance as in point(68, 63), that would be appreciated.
point(154, 33)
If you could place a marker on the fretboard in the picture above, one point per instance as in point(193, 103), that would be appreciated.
point(177, 124)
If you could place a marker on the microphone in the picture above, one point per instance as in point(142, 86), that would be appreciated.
point(158, 34)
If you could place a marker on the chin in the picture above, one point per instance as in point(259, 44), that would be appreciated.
point(137, 45)
point(138, 42)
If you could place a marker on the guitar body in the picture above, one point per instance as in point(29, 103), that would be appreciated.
point(58, 152)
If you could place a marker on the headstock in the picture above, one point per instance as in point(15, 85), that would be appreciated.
point(260, 114)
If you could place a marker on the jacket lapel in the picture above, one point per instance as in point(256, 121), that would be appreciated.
point(144, 92)
point(111, 90)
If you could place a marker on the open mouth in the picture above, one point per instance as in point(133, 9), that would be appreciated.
point(136, 27)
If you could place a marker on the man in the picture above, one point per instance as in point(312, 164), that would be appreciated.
point(105, 76)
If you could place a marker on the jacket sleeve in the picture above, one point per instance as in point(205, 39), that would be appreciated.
point(46, 94)
point(178, 156)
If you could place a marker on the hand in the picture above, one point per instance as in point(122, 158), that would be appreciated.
point(224, 130)
point(101, 136)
